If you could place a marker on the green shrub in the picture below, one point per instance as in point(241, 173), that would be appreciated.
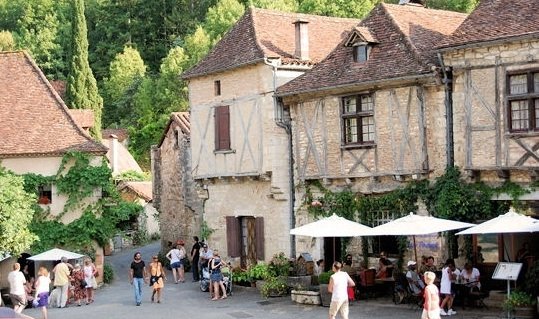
point(260, 271)
point(108, 273)
point(274, 286)
point(323, 278)
point(519, 299)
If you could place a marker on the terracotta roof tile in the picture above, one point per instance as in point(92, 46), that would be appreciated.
point(142, 189)
point(120, 133)
point(262, 33)
point(83, 118)
point(404, 38)
point(494, 20)
point(35, 121)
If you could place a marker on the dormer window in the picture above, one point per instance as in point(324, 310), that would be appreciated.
point(362, 41)
point(361, 53)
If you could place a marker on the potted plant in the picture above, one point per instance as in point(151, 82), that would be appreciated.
point(258, 273)
point(274, 287)
point(521, 304)
point(325, 295)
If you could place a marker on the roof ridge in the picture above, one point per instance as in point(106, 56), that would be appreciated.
point(63, 106)
point(251, 13)
point(300, 14)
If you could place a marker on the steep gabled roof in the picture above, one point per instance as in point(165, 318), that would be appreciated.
point(34, 120)
point(495, 20)
point(180, 118)
point(403, 39)
point(262, 33)
point(142, 189)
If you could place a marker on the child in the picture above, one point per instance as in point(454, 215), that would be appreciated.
point(42, 290)
point(431, 308)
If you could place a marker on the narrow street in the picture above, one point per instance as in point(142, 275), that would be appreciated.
point(185, 300)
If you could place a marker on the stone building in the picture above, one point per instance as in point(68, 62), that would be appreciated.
point(370, 117)
point(239, 142)
point(493, 61)
point(175, 194)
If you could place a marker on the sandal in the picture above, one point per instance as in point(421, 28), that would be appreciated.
point(213, 299)
point(223, 297)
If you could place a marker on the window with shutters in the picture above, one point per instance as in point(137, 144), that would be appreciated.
point(523, 101)
point(357, 115)
point(222, 128)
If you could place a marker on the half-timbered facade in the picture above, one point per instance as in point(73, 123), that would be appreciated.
point(493, 58)
point(239, 146)
point(371, 116)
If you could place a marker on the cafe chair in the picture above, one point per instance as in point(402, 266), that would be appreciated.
point(367, 282)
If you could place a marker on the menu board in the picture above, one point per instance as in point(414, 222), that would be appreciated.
point(507, 271)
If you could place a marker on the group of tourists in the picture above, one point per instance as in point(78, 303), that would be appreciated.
point(200, 257)
point(70, 282)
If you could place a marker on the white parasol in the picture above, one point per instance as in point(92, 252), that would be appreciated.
point(332, 226)
point(55, 254)
point(510, 222)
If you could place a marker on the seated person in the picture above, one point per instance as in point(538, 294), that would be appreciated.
point(470, 275)
point(29, 290)
point(428, 266)
point(414, 281)
point(385, 267)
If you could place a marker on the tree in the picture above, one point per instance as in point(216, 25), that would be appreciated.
point(126, 70)
point(280, 5)
point(338, 8)
point(15, 214)
point(7, 43)
point(81, 90)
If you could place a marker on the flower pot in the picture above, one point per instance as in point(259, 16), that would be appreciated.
point(306, 297)
point(325, 296)
point(523, 312)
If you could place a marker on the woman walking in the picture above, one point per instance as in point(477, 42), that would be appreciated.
point(79, 284)
point(42, 291)
point(175, 262)
point(157, 278)
point(90, 273)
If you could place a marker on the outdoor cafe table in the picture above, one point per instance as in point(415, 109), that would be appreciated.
point(385, 286)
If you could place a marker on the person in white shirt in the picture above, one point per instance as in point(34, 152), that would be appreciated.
point(42, 290)
point(17, 293)
point(471, 276)
point(175, 262)
point(449, 274)
point(338, 287)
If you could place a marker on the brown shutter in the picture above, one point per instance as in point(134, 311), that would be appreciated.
point(222, 128)
point(259, 237)
point(233, 236)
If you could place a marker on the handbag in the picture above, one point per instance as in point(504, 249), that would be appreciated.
point(83, 283)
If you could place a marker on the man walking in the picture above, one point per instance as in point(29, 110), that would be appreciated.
point(195, 255)
point(137, 276)
point(16, 288)
point(338, 287)
point(61, 280)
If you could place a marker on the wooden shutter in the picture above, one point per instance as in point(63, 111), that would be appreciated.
point(233, 236)
point(259, 237)
point(222, 128)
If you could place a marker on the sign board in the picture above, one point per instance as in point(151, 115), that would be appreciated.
point(507, 271)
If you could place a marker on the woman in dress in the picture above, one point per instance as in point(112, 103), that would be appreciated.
point(157, 278)
point(42, 290)
point(89, 276)
point(216, 276)
point(79, 290)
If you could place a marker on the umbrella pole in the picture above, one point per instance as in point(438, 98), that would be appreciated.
point(334, 260)
point(415, 249)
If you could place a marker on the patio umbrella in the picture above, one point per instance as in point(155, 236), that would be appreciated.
point(332, 226)
point(510, 222)
point(412, 225)
point(55, 254)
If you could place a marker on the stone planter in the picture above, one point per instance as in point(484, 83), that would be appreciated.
point(523, 312)
point(298, 281)
point(306, 297)
point(325, 296)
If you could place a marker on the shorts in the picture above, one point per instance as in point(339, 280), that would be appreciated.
point(18, 300)
point(42, 299)
point(339, 307)
point(176, 265)
point(433, 314)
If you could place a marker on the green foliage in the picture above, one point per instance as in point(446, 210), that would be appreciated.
point(337, 8)
point(519, 299)
point(108, 273)
point(280, 5)
point(260, 271)
point(125, 71)
point(132, 176)
point(274, 286)
point(81, 88)
point(240, 276)
point(221, 17)
point(324, 277)
point(15, 214)
point(7, 42)
point(531, 282)
point(205, 230)
point(279, 265)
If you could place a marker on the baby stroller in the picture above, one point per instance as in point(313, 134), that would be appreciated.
point(205, 280)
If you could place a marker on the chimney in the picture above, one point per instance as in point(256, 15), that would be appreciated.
point(302, 40)
point(114, 154)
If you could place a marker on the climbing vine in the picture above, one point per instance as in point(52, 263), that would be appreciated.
point(100, 220)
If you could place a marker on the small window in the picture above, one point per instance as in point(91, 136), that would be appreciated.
point(360, 53)
point(44, 194)
point(222, 128)
point(523, 101)
point(217, 88)
point(358, 119)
